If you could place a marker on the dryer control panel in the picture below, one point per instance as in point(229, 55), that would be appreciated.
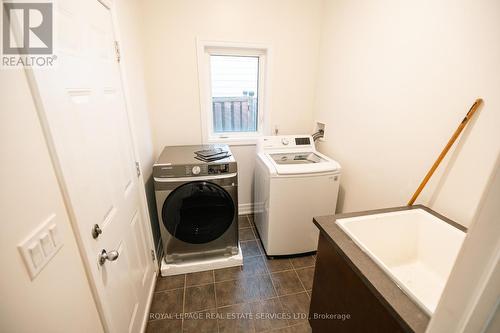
point(204, 169)
point(196, 170)
point(218, 169)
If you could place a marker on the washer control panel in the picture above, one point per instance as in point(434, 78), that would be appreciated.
point(287, 141)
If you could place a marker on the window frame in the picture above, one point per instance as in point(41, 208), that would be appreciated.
point(205, 49)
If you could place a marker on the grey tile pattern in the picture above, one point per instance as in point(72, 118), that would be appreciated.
point(254, 266)
point(251, 266)
point(278, 265)
point(300, 328)
point(251, 248)
point(306, 276)
point(164, 325)
point(170, 282)
point(203, 321)
point(250, 218)
point(199, 298)
point(258, 287)
point(297, 307)
point(167, 302)
point(230, 273)
point(268, 315)
point(199, 278)
point(261, 296)
point(230, 292)
point(246, 234)
point(303, 261)
point(243, 222)
point(231, 323)
point(287, 282)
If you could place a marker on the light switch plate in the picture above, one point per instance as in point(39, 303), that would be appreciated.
point(47, 245)
point(41, 246)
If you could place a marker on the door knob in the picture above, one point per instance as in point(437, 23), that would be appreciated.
point(96, 231)
point(111, 256)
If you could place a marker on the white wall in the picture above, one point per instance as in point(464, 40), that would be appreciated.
point(290, 27)
point(396, 78)
point(59, 299)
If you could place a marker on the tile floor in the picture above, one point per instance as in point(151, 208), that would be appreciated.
point(265, 295)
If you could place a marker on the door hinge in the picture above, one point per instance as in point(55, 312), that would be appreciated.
point(153, 255)
point(117, 51)
point(137, 169)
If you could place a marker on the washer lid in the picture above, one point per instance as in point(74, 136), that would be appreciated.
point(297, 158)
point(303, 162)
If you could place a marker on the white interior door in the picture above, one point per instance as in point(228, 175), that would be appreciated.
point(84, 109)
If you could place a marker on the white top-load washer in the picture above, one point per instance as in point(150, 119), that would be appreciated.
point(293, 183)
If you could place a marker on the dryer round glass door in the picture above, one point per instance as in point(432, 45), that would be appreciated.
point(198, 212)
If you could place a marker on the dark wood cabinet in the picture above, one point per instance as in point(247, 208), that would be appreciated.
point(341, 300)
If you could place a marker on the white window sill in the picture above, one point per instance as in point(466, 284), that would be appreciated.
point(235, 141)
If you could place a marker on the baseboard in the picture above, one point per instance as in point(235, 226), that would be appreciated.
point(159, 252)
point(149, 301)
point(246, 208)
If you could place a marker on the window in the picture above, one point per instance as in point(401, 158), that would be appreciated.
point(234, 81)
point(231, 88)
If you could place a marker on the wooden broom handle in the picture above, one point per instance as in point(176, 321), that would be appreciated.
point(450, 143)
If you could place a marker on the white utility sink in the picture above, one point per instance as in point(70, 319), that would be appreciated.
point(414, 247)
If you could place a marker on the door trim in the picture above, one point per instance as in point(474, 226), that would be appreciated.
point(110, 5)
point(133, 134)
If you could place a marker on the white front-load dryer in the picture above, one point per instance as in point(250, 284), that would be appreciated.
point(293, 183)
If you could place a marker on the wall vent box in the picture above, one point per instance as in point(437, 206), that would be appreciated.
point(40, 246)
point(320, 126)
